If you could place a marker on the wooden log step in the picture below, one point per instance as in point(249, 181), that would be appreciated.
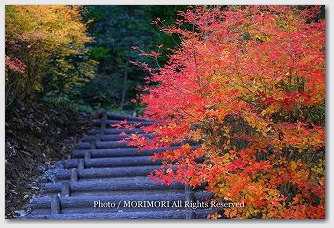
point(97, 210)
point(85, 210)
point(114, 131)
point(125, 117)
point(88, 201)
point(102, 169)
point(111, 162)
point(115, 144)
point(119, 152)
point(119, 184)
point(84, 174)
point(90, 138)
point(153, 214)
point(105, 144)
point(122, 192)
point(115, 162)
point(98, 122)
point(88, 210)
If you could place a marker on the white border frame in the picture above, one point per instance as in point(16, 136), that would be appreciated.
point(193, 223)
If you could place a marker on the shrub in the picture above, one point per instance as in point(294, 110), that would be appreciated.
point(248, 82)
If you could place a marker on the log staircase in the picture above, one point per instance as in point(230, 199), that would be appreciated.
point(105, 179)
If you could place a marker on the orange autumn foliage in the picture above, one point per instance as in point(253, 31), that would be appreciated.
point(39, 41)
point(248, 83)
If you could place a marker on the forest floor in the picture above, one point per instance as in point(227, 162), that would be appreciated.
point(36, 135)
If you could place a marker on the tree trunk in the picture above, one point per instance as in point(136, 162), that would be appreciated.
point(125, 82)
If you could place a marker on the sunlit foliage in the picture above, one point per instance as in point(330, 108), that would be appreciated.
point(42, 43)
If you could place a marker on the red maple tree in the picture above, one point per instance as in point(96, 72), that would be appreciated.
point(248, 83)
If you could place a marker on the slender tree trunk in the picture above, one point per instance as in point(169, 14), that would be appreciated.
point(125, 82)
